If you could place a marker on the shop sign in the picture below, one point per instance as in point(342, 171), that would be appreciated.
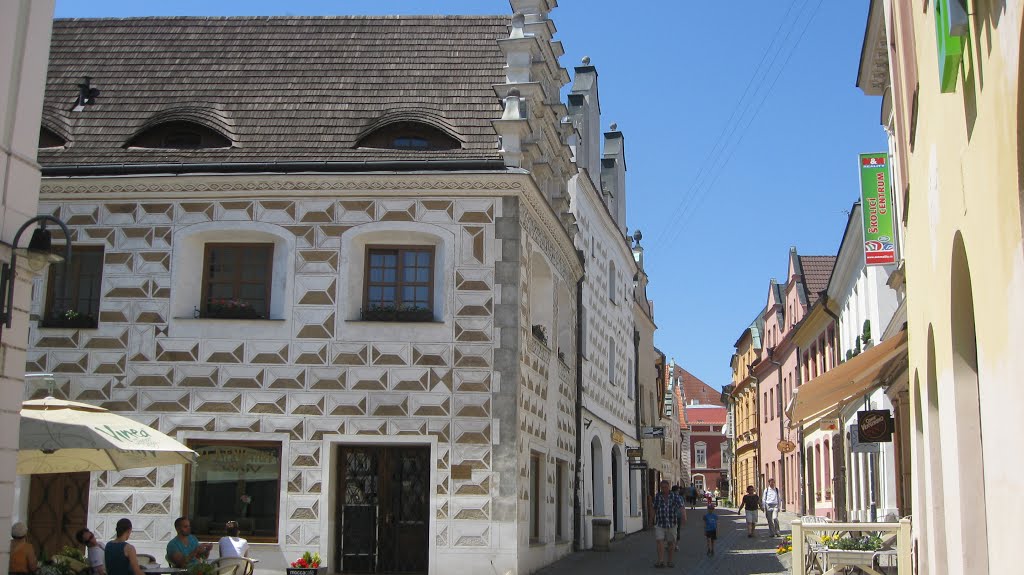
point(638, 464)
point(617, 436)
point(856, 446)
point(652, 432)
point(634, 452)
point(874, 426)
point(877, 209)
point(951, 27)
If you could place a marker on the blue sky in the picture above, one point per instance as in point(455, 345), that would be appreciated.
point(742, 124)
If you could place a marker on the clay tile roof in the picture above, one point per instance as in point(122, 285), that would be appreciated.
point(696, 390)
point(281, 88)
point(706, 415)
point(817, 271)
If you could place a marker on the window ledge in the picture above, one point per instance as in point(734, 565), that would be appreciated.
point(227, 319)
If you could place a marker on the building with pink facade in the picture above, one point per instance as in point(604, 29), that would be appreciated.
point(777, 370)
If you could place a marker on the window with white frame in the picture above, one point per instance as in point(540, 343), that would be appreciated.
point(700, 454)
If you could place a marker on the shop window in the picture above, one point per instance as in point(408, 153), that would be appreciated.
point(234, 481)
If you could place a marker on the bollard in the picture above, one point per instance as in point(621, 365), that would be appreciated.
point(602, 533)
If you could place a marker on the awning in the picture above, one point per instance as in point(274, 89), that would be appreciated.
point(834, 389)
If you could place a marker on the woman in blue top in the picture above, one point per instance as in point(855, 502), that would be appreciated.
point(119, 555)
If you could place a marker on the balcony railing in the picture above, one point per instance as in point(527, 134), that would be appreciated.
point(816, 548)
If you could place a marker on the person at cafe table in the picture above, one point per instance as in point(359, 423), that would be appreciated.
point(184, 549)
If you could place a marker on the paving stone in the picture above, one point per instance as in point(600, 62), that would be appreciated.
point(735, 553)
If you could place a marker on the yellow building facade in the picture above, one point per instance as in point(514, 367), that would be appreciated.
point(743, 402)
point(957, 141)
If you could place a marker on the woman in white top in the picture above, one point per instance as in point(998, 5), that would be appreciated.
point(232, 545)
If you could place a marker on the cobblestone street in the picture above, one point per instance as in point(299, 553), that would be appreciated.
point(735, 554)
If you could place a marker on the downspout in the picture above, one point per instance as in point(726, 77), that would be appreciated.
point(577, 503)
point(636, 393)
point(838, 440)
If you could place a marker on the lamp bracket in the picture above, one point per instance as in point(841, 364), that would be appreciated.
point(9, 270)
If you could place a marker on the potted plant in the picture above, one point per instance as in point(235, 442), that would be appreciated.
point(307, 564)
point(68, 561)
point(232, 308)
point(852, 551)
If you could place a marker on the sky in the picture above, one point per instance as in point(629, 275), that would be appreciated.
point(742, 123)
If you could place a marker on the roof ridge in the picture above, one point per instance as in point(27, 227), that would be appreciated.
point(302, 17)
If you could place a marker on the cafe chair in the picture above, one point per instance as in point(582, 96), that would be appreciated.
point(242, 565)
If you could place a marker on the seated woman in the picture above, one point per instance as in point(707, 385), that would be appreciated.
point(232, 545)
point(119, 555)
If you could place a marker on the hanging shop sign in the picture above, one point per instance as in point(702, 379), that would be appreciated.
point(858, 446)
point(785, 446)
point(874, 426)
point(877, 209)
point(951, 26)
point(638, 464)
point(652, 432)
point(634, 452)
point(617, 436)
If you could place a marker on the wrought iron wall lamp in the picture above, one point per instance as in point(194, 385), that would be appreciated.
point(39, 256)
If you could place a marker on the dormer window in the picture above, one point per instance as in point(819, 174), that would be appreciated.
point(179, 136)
point(416, 136)
point(49, 139)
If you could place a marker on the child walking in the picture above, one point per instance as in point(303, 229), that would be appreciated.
point(711, 528)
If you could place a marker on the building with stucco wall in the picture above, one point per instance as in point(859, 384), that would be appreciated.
point(362, 316)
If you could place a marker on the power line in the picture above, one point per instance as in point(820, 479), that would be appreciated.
point(702, 168)
point(678, 227)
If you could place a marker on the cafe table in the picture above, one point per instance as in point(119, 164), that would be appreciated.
point(158, 570)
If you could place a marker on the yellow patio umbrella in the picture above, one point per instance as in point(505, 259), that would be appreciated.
point(59, 436)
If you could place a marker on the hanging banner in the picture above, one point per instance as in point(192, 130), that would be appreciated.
point(875, 187)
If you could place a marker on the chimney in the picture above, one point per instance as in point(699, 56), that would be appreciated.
point(613, 175)
point(585, 109)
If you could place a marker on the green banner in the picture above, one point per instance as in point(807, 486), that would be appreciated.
point(876, 207)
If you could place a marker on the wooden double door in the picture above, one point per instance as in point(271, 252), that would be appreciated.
point(382, 515)
point(58, 506)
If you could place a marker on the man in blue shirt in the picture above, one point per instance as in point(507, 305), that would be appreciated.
point(667, 509)
point(184, 549)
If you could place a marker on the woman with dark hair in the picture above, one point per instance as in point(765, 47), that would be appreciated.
point(119, 555)
point(23, 554)
point(232, 545)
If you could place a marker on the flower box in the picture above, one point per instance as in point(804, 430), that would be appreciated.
point(392, 314)
point(70, 319)
point(229, 309)
point(850, 558)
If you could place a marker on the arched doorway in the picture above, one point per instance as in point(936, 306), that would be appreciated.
point(597, 477)
point(617, 525)
point(967, 414)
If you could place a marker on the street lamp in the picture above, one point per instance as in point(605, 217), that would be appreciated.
point(38, 255)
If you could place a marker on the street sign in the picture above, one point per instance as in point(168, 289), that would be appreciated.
point(652, 432)
point(634, 452)
point(639, 464)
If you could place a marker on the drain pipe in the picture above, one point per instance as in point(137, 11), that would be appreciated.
point(577, 503)
point(757, 428)
point(838, 440)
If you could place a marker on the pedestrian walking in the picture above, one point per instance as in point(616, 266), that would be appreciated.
point(677, 491)
point(667, 510)
point(771, 502)
point(718, 494)
point(751, 502)
point(691, 496)
point(711, 529)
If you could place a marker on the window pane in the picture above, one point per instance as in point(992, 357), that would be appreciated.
point(423, 275)
point(390, 275)
point(235, 480)
point(422, 295)
point(423, 258)
point(221, 291)
point(252, 291)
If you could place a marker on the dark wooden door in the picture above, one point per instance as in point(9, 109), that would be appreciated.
point(382, 516)
point(58, 507)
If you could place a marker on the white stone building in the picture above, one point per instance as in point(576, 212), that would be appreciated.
point(598, 201)
point(337, 260)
